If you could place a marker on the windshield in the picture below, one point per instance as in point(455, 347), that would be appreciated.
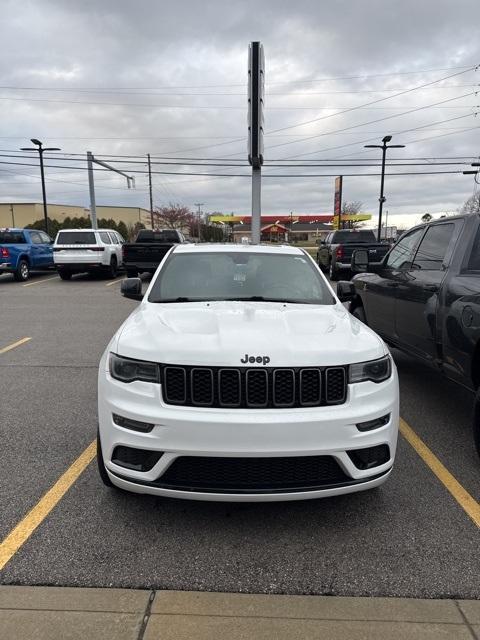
point(76, 237)
point(236, 275)
point(346, 237)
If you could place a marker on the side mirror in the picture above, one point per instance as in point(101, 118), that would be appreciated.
point(360, 261)
point(132, 288)
point(345, 291)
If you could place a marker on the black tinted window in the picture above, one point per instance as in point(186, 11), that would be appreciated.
point(76, 237)
point(433, 247)
point(401, 256)
point(474, 259)
point(157, 236)
point(11, 237)
point(346, 237)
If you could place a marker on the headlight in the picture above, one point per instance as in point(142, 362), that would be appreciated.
point(128, 370)
point(374, 370)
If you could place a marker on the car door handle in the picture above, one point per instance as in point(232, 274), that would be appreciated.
point(431, 287)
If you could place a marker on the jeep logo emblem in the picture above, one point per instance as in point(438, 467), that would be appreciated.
point(252, 359)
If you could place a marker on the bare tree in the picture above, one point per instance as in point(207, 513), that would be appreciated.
point(173, 216)
point(355, 206)
point(472, 205)
point(352, 208)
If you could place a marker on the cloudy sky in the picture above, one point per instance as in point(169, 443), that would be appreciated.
point(169, 78)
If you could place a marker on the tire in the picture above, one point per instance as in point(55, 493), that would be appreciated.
point(112, 270)
point(101, 465)
point(132, 273)
point(476, 422)
point(22, 272)
point(333, 273)
point(65, 275)
point(359, 313)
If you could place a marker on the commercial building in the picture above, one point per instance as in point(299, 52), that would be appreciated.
point(299, 232)
point(20, 214)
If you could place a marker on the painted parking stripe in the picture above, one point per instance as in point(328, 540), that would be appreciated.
point(31, 284)
point(461, 495)
point(109, 284)
point(24, 529)
point(14, 345)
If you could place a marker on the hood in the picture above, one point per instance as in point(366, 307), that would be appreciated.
point(225, 333)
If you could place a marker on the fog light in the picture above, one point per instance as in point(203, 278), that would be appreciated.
point(370, 457)
point(136, 459)
point(373, 424)
point(134, 425)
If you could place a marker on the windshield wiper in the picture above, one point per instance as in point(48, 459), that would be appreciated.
point(263, 299)
point(181, 299)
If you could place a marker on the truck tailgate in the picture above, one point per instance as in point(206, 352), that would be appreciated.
point(376, 252)
point(145, 253)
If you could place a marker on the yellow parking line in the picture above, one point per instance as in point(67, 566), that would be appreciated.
point(31, 284)
point(14, 345)
point(461, 495)
point(24, 529)
point(109, 284)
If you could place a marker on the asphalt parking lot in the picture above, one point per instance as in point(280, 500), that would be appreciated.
point(411, 537)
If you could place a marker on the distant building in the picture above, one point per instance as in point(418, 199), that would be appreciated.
point(299, 232)
point(20, 214)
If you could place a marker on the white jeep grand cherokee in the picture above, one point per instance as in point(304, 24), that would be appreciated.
point(241, 376)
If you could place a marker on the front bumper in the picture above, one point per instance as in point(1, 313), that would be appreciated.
point(181, 432)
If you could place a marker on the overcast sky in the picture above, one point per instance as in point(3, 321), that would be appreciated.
point(169, 78)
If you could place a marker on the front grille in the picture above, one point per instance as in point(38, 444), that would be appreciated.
point(252, 475)
point(255, 388)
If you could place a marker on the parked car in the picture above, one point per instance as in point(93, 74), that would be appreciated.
point(88, 250)
point(424, 298)
point(335, 253)
point(23, 251)
point(149, 249)
point(240, 376)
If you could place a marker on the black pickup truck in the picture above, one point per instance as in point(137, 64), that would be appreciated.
point(149, 249)
point(425, 298)
point(335, 253)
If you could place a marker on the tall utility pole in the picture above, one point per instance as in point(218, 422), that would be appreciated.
point(150, 188)
point(91, 183)
point(256, 94)
point(199, 217)
point(40, 149)
point(382, 198)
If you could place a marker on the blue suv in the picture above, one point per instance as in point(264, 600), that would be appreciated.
point(25, 250)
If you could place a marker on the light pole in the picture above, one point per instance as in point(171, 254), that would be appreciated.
point(474, 172)
point(40, 148)
point(382, 198)
point(199, 214)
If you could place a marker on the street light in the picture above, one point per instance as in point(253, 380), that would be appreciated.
point(40, 148)
point(382, 198)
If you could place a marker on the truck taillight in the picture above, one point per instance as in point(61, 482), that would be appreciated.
point(339, 253)
point(4, 252)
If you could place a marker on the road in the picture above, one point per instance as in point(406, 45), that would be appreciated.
point(411, 537)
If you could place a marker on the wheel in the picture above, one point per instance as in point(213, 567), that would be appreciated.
point(476, 422)
point(112, 270)
point(333, 273)
point(65, 275)
point(132, 273)
point(359, 313)
point(23, 271)
point(101, 465)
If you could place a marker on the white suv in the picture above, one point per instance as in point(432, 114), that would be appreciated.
point(87, 250)
point(241, 376)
